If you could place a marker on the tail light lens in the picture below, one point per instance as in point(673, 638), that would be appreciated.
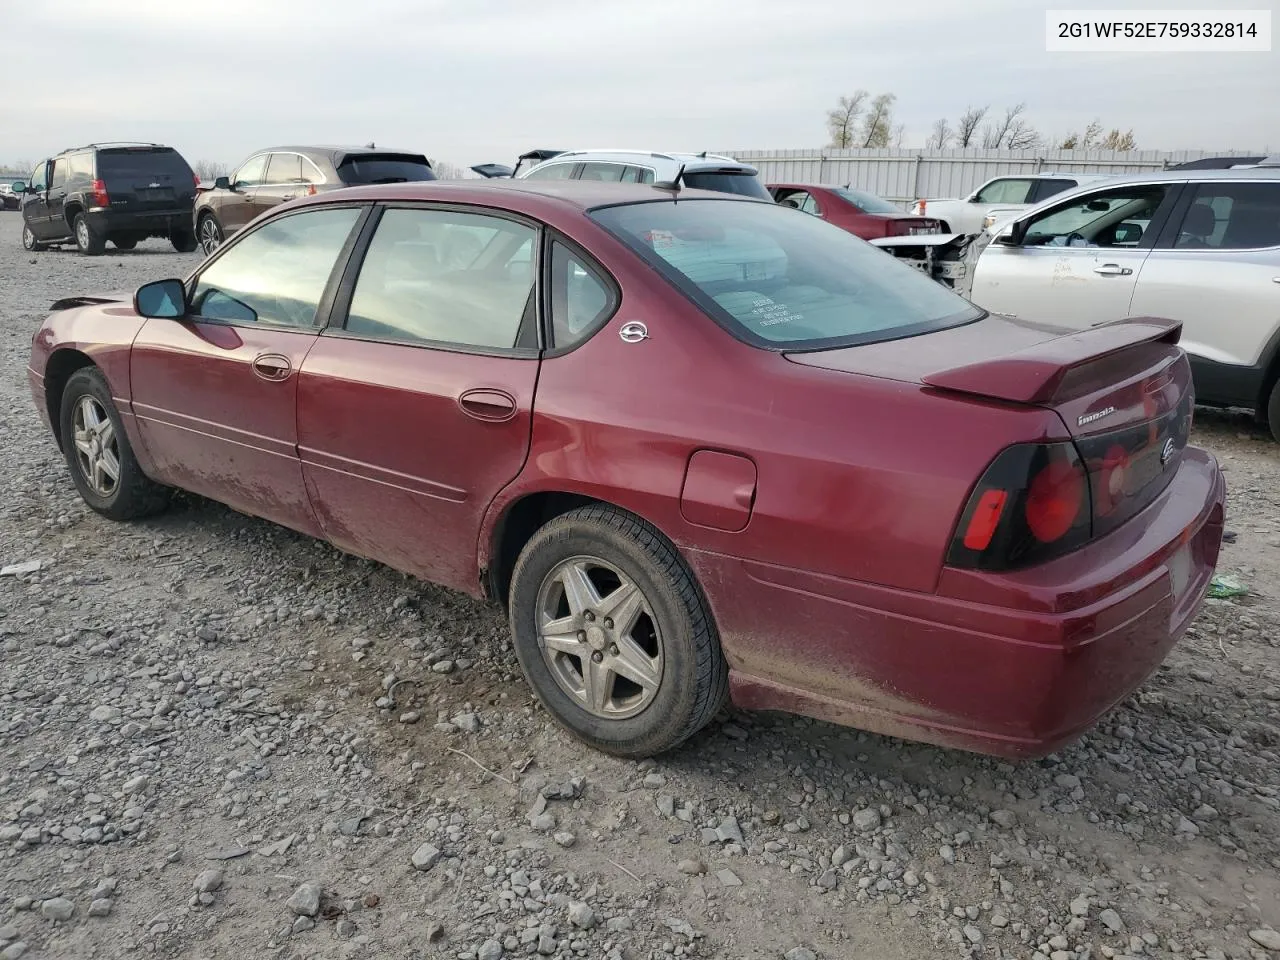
point(1031, 505)
point(196, 178)
point(311, 190)
point(100, 198)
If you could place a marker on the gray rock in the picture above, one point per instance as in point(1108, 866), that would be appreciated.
point(345, 929)
point(729, 831)
point(489, 950)
point(1204, 812)
point(100, 908)
point(208, 881)
point(867, 819)
point(1067, 781)
point(691, 867)
point(442, 666)
point(840, 856)
point(302, 925)
point(1267, 939)
point(104, 714)
point(666, 805)
point(135, 785)
point(728, 878)
point(972, 934)
point(8, 932)
point(581, 915)
point(58, 908)
point(565, 838)
point(426, 856)
point(543, 822)
point(468, 722)
point(1004, 818)
point(305, 901)
point(1111, 920)
point(14, 950)
point(546, 944)
point(999, 921)
point(800, 953)
point(1080, 906)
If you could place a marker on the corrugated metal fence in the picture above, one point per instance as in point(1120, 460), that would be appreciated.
point(904, 175)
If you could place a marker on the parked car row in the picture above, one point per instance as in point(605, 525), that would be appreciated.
point(122, 193)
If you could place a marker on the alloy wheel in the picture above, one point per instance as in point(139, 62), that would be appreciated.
point(210, 235)
point(599, 638)
point(28, 238)
point(82, 234)
point(97, 450)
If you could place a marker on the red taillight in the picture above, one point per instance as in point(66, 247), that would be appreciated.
point(196, 178)
point(311, 190)
point(985, 519)
point(1054, 500)
point(100, 198)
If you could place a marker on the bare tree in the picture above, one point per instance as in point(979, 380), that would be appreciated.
point(209, 169)
point(842, 121)
point(1022, 136)
point(1013, 132)
point(940, 136)
point(446, 170)
point(1083, 141)
point(899, 134)
point(967, 127)
point(19, 166)
point(878, 123)
point(1116, 140)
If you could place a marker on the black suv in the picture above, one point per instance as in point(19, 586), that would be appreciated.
point(121, 192)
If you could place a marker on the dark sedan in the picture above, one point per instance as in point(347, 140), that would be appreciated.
point(698, 447)
point(863, 214)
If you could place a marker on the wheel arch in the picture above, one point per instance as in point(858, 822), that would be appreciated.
point(71, 211)
point(62, 364)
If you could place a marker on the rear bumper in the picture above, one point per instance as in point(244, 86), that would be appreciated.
point(1008, 664)
point(150, 222)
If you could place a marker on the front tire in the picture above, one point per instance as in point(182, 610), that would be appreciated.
point(1273, 411)
point(209, 234)
point(184, 241)
point(29, 241)
point(613, 633)
point(98, 453)
point(90, 242)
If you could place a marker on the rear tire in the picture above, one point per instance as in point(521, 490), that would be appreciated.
point(29, 241)
point(124, 243)
point(96, 446)
point(1273, 411)
point(184, 241)
point(90, 242)
point(665, 635)
point(209, 233)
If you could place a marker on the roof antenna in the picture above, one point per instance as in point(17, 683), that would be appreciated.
point(370, 146)
point(672, 186)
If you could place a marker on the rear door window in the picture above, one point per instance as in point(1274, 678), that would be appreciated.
point(1044, 189)
point(608, 172)
point(1231, 216)
point(552, 171)
point(284, 168)
point(637, 175)
point(59, 176)
point(384, 168)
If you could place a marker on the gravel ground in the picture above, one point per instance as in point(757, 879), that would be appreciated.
point(222, 739)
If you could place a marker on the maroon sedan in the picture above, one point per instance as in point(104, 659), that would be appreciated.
point(863, 214)
point(698, 447)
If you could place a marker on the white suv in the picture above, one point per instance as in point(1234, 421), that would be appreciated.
point(702, 171)
point(1000, 198)
point(1200, 246)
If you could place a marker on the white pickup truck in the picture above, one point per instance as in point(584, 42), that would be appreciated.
point(1001, 198)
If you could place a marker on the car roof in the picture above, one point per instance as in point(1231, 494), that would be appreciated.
point(1157, 176)
point(519, 195)
point(334, 153)
point(693, 162)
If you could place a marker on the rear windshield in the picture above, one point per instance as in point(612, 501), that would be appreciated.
point(783, 279)
point(384, 168)
point(147, 162)
point(867, 202)
point(745, 184)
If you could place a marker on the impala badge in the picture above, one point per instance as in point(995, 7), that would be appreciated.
point(1091, 417)
point(633, 331)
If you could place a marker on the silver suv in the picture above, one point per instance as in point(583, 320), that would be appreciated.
point(1200, 246)
point(702, 171)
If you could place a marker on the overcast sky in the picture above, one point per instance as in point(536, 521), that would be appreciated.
point(481, 80)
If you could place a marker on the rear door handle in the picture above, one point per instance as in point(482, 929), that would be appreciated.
point(488, 404)
point(1113, 270)
point(272, 366)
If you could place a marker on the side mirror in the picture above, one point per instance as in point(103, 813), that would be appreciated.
point(19, 187)
point(222, 183)
point(1011, 234)
point(162, 299)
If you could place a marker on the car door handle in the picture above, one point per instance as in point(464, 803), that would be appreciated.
point(1113, 270)
point(288, 196)
point(272, 366)
point(487, 404)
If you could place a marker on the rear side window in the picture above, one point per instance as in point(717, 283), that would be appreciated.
point(637, 175)
point(81, 166)
point(580, 297)
point(59, 176)
point(609, 172)
point(384, 168)
point(743, 184)
point(778, 278)
point(1232, 216)
point(1049, 188)
point(1005, 190)
point(552, 171)
point(148, 162)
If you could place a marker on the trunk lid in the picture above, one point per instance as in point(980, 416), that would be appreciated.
point(144, 179)
point(1098, 379)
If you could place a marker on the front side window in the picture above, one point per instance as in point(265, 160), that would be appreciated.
point(445, 277)
point(276, 274)
point(1110, 218)
point(552, 171)
point(782, 281)
point(252, 173)
point(1004, 190)
point(580, 298)
point(39, 177)
point(1232, 216)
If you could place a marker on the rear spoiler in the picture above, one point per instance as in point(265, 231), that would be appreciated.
point(1035, 374)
